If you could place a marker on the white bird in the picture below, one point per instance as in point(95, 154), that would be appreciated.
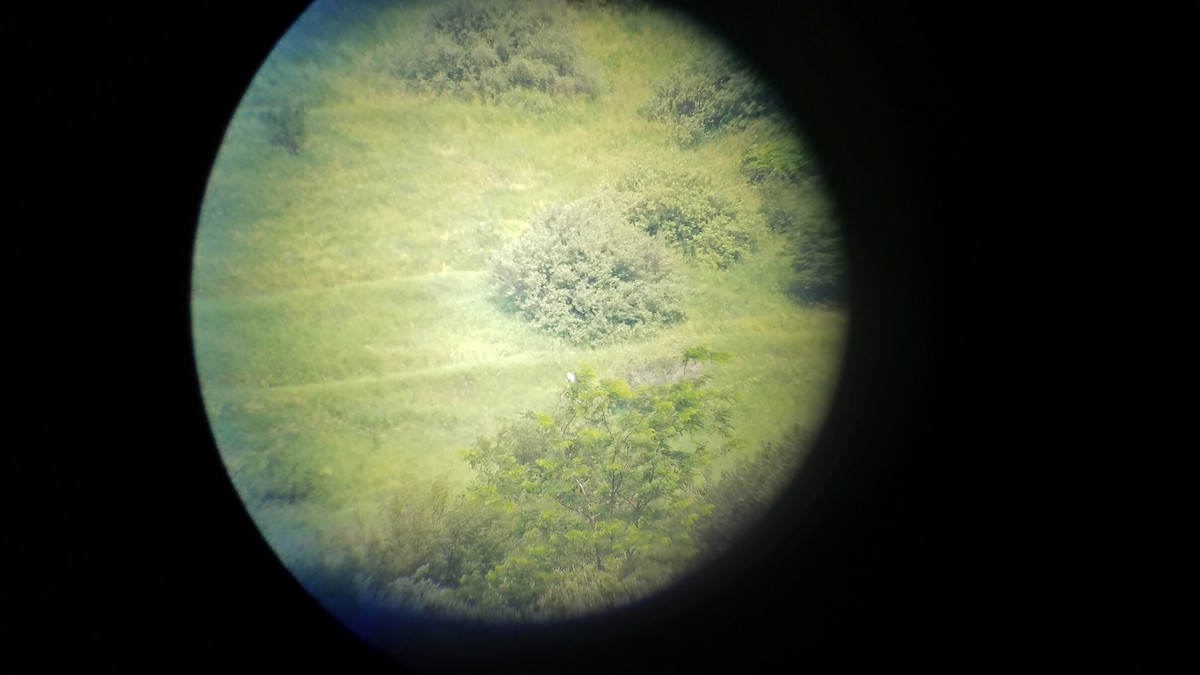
point(570, 376)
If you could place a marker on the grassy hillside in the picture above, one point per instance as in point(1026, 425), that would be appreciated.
point(346, 336)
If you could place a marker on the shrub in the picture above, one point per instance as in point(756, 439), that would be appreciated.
point(608, 493)
point(428, 534)
point(784, 159)
point(705, 97)
point(414, 559)
point(743, 494)
point(787, 205)
point(659, 370)
point(476, 48)
point(690, 214)
point(579, 273)
point(782, 206)
point(801, 211)
point(818, 260)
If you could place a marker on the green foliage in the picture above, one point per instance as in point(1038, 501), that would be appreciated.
point(819, 262)
point(707, 96)
point(744, 493)
point(429, 541)
point(702, 354)
point(783, 205)
point(794, 204)
point(606, 491)
point(408, 561)
point(690, 214)
point(484, 49)
point(780, 158)
point(281, 481)
point(285, 127)
point(579, 273)
point(409, 542)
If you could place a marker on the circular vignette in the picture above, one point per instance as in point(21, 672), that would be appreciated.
point(850, 459)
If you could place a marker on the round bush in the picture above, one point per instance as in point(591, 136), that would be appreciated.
point(579, 273)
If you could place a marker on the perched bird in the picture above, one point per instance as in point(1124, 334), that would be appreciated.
point(570, 377)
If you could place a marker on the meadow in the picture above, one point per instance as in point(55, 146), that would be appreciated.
point(348, 341)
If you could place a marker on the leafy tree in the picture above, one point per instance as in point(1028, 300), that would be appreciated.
point(707, 96)
point(689, 213)
point(606, 492)
point(487, 48)
point(578, 272)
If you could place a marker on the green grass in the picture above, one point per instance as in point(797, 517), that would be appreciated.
point(345, 333)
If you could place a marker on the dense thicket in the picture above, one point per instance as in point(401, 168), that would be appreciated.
point(707, 96)
point(690, 214)
point(783, 158)
point(794, 203)
point(487, 48)
point(580, 273)
point(799, 210)
point(605, 490)
point(818, 261)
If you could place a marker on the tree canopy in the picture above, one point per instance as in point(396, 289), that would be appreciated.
point(606, 488)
